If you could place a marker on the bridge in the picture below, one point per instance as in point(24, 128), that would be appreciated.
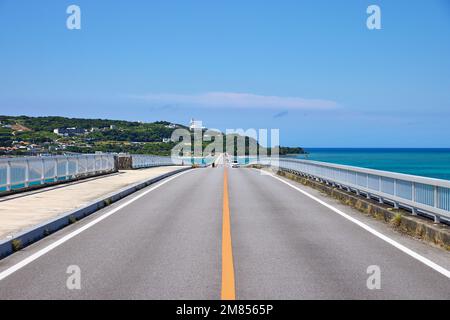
point(222, 233)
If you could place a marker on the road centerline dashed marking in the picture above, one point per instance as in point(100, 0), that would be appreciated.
point(228, 291)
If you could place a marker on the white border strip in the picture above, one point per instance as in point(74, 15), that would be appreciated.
point(392, 242)
point(59, 242)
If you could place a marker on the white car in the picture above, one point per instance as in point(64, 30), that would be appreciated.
point(235, 164)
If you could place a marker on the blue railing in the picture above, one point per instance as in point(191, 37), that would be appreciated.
point(147, 161)
point(426, 196)
point(24, 172)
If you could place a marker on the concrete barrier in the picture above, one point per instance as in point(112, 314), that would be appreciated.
point(124, 162)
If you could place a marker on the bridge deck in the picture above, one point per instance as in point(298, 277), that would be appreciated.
point(166, 242)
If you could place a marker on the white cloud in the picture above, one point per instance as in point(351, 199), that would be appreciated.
point(238, 100)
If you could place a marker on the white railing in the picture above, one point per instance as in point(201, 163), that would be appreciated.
point(422, 195)
point(24, 172)
point(147, 161)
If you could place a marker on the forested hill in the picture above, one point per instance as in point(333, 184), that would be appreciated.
point(21, 135)
point(121, 130)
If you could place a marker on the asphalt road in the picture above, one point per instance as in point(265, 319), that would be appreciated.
point(168, 245)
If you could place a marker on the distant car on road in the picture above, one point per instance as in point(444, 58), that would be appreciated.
point(235, 164)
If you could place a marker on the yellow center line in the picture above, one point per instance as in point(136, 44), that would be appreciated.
point(228, 290)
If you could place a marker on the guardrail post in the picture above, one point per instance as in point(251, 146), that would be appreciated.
point(27, 173)
point(413, 198)
point(42, 171)
point(67, 168)
point(436, 197)
point(55, 172)
point(8, 176)
point(77, 166)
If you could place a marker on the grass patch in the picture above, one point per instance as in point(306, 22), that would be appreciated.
point(16, 244)
point(420, 230)
point(396, 220)
point(379, 216)
point(72, 220)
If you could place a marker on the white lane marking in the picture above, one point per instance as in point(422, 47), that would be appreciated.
point(392, 242)
point(59, 242)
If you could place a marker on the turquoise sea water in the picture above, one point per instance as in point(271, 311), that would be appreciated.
point(434, 163)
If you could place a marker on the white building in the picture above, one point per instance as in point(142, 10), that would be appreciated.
point(69, 131)
point(196, 124)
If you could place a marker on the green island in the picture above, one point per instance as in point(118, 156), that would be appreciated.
point(24, 135)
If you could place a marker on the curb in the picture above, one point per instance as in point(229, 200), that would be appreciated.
point(40, 231)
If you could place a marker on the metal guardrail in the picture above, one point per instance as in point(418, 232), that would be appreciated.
point(24, 172)
point(422, 195)
point(147, 161)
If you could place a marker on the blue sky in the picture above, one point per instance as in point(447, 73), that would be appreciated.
point(310, 68)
